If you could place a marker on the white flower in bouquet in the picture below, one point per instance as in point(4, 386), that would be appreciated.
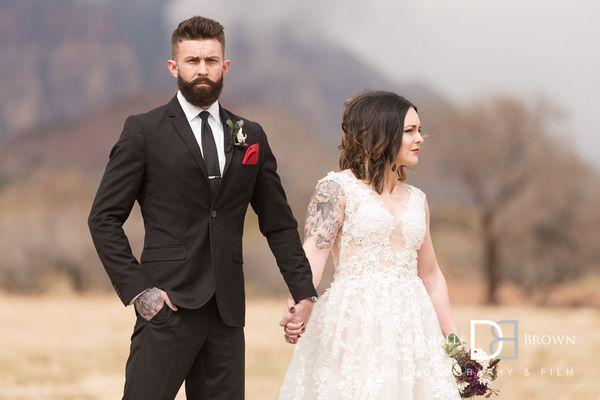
point(484, 377)
point(481, 356)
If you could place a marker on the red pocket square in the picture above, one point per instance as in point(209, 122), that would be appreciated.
point(251, 156)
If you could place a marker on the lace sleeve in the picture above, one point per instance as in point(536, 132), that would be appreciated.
point(325, 214)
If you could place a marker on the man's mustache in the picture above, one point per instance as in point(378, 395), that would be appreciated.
point(199, 80)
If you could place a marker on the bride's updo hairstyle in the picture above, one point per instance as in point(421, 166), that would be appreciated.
point(372, 126)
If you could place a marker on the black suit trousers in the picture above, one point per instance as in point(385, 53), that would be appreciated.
point(191, 345)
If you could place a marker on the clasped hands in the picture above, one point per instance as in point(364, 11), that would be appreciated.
point(294, 319)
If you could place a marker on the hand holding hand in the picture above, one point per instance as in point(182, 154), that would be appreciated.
point(302, 311)
point(291, 330)
point(149, 303)
point(294, 319)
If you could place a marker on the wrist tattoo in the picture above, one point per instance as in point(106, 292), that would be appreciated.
point(149, 303)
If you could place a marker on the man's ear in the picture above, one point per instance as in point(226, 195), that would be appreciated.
point(226, 66)
point(172, 67)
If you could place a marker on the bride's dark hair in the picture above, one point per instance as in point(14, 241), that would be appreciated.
point(372, 126)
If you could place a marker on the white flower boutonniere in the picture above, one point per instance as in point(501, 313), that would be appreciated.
point(238, 137)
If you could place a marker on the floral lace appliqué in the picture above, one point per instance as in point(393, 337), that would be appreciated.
point(374, 333)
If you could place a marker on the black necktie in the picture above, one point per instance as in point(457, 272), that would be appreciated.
point(209, 152)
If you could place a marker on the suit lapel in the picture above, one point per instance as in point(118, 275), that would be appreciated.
point(228, 146)
point(227, 138)
point(184, 130)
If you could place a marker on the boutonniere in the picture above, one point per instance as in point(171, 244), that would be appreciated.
point(238, 137)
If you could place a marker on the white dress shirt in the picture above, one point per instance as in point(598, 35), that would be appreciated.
point(192, 113)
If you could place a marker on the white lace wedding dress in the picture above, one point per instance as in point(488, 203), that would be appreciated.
point(374, 333)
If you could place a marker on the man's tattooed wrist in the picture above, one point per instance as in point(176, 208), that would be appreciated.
point(149, 303)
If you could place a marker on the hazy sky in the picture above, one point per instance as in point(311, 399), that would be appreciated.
point(466, 49)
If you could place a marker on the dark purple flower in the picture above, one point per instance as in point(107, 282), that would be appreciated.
point(470, 372)
point(480, 389)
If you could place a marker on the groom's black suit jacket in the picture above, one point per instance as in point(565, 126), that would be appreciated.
point(193, 240)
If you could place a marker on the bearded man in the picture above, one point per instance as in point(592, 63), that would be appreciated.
point(193, 167)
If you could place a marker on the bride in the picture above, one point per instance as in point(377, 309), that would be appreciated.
point(377, 332)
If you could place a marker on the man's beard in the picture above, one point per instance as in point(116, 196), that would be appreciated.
point(200, 96)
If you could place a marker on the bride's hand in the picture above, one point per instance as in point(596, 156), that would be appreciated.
point(293, 332)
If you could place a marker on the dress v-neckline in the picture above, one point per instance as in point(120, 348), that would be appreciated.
point(370, 191)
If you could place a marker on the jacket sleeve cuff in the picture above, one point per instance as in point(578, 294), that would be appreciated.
point(138, 295)
point(131, 292)
point(304, 293)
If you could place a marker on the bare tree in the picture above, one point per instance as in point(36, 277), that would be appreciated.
point(522, 184)
point(491, 154)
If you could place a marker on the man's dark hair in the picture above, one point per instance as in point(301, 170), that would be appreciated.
point(195, 28)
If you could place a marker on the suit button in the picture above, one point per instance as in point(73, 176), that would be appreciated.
point(213, 213)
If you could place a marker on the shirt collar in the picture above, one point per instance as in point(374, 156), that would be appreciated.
point(191, 111)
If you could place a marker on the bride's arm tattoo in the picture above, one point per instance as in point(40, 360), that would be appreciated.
point(324, 215)
point(149, 303)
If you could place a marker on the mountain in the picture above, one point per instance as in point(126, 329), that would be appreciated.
point(62, 58)
point(76, 57)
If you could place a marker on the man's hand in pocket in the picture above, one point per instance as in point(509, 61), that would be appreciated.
point(149, 303)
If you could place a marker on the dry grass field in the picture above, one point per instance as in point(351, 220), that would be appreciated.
point(69, 348)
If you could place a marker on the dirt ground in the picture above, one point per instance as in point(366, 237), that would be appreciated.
point(68, 347)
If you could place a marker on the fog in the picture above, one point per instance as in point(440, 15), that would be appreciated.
point(465, 49)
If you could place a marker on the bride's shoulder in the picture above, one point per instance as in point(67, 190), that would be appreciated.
point(335, 176)
point(333, 185)
point(417, 191)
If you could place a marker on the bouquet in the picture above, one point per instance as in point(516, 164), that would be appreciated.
point(473, 375)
